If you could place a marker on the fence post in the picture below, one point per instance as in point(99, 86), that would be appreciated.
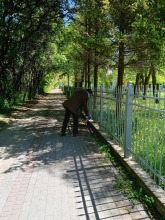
point(128, 120)
point(101, 106)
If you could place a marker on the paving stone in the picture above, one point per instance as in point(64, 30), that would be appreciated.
point(48, 177)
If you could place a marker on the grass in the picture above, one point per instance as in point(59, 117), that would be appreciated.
point(147, 134)
point(126, 184)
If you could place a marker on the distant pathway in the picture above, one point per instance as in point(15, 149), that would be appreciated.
point(44, 176)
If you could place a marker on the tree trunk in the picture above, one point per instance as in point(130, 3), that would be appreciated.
point(121, 64)
point(75, 79)
point(137, 84)
point(85, 75)
point(146, 82)
point(120, 80)
point(82, 75)
point(95, 76)
point(88, 73)
point(155, 90)
point(95, 71)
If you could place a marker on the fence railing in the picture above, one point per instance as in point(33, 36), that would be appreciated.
point(136, 122)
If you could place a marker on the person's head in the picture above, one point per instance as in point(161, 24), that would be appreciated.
point(90, 92)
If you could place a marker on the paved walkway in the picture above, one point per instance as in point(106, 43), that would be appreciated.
point(44, 176)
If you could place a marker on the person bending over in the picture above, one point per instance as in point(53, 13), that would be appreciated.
point(74, 106)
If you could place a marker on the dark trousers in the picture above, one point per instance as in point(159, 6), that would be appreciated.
point(68, 113)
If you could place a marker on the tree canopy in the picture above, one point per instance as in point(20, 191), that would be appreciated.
point(27, 27)
point(82, 40)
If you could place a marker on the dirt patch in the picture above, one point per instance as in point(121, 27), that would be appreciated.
point(17, 113)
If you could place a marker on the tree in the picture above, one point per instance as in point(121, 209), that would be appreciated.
point(26, 27)
point(147, 42)
point(122, 14)
point(91, 34)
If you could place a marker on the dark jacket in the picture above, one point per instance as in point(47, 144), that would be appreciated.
point(78, 103)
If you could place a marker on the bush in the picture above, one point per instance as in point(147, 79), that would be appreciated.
point(4, 104)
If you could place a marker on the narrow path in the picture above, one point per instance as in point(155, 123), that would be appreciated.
point(44, 176)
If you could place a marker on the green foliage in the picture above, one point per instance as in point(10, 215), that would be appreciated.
point(105, 150)
point(123, 182)
point(4, 104)
point(19, 97)
point(119, 34)
point(40, 42)
point(8, 106)
point(48, 83)
point(26, 30)
point(160, 77)
point(131, 190)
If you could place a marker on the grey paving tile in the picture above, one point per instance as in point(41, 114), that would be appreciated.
point(57, 178)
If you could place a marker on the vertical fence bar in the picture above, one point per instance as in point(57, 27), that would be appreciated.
point(128, 120)
point(101, 106)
